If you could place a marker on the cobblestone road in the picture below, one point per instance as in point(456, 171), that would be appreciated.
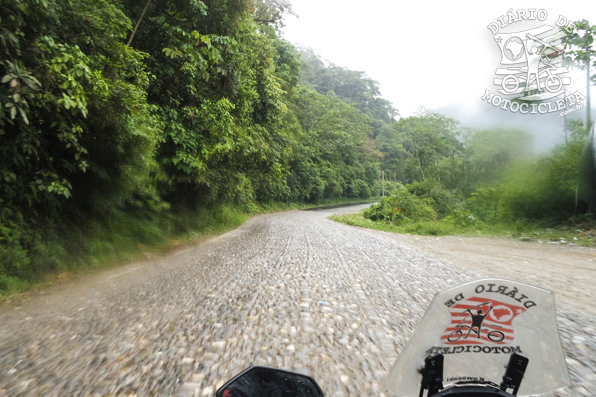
point(292, 290)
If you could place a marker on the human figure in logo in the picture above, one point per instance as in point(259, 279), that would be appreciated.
point(534, 54)
point(477, 320)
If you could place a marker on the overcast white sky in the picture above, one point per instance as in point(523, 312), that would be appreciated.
point(422, 53)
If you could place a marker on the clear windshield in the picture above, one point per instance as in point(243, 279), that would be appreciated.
point(477, 326)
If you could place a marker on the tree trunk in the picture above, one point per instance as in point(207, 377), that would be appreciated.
point(588, 110)
point(420, 166)
point(138, 23)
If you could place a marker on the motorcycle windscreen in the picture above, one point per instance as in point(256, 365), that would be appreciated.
point(477, 326)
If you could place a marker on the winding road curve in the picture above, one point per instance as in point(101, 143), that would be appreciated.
point(292, 290)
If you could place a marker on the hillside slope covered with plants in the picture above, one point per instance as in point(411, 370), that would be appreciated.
point(126, 123)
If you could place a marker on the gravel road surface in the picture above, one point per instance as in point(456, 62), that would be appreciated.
point(292, 290)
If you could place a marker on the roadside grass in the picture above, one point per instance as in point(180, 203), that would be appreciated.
point(105, 243)
point(521, 231)
point(125, 237)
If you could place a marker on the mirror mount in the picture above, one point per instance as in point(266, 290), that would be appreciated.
point(432, 375)
point(514, 373)
point(260, 381)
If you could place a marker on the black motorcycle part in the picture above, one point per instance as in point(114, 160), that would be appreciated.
point(432, 375)
point(258, 381)
point(471, 391)
point(515, 373)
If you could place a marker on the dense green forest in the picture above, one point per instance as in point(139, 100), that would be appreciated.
point(126, 123)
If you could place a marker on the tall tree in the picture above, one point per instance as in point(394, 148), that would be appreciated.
point(580, 53)
point(431, 143)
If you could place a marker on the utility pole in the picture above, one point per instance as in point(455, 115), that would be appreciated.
point(383, 179)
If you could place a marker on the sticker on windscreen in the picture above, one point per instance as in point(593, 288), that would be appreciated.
point(478, 321)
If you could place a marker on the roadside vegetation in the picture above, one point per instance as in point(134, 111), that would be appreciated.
point(128, 126)
point(500, 189)
point(573, 234)
point(446, 180)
